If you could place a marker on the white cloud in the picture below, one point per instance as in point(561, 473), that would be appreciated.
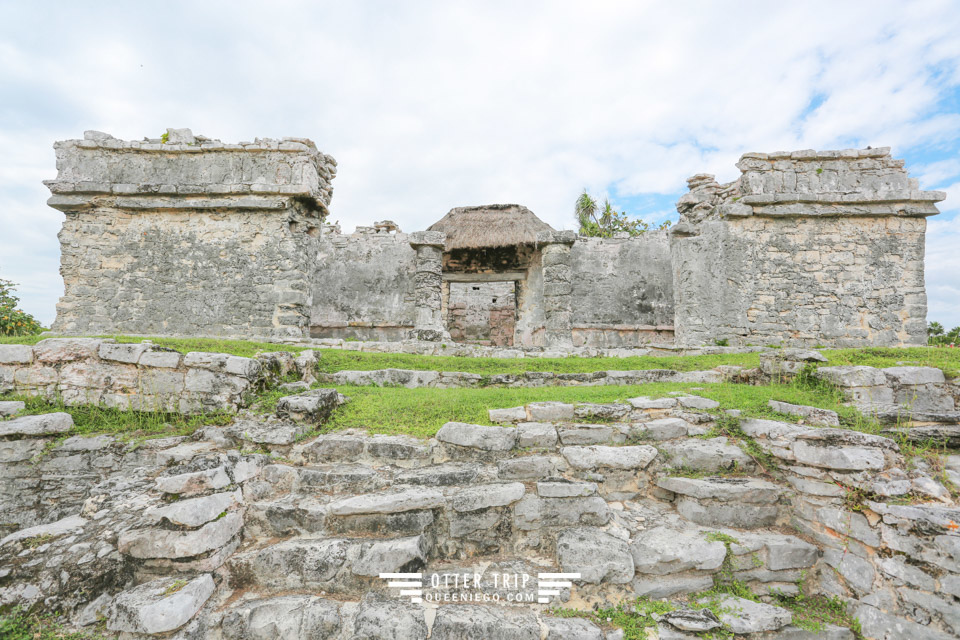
point(943, 270)
point(430, 105)
point(933, 175)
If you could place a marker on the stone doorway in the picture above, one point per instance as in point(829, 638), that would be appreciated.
point(482, 312)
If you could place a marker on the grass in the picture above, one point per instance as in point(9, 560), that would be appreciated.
point(176, 585)
point(333, 360)
point(421, 412)
point(18, 625)
point(634, 616)
point(243, 348)
point(813, 613)
point(93, 420)
point(943, 358)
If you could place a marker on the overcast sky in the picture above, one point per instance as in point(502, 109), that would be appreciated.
point(431, 105)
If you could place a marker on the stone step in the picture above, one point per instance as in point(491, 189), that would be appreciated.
point(401, 451)
point(942, 435)
point(37, 425)
point(335, 565)
point(711, 456)
point(11, 408)
point(743, 503)
point(376, 615)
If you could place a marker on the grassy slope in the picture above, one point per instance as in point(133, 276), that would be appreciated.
point(421, 412)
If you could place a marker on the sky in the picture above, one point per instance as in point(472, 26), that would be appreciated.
point(428, 105)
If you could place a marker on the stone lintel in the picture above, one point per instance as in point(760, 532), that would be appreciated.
point(428, 239)
point(556, 237)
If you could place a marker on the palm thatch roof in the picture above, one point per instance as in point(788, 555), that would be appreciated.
point(491, 225)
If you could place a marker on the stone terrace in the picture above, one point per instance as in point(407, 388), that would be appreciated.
point(253, 530)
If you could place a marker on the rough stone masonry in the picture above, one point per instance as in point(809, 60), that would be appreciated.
point(190, 236)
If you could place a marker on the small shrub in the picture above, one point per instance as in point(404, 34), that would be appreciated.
point(14, 321)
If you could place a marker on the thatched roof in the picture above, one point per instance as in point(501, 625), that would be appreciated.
point(491, 225)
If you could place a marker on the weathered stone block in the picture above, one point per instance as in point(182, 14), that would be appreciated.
point(595, 555)
point(38, 425)
point(537, 435)
point(633, 457)
point(11, 408)
point(478, 436)
point(549, 411)
point(151, 608)
point(60, 350)
point(16, 354)
point(391, 502)
point(126, 353)
point(282, 618)
point(159, 543)
point(161, 359)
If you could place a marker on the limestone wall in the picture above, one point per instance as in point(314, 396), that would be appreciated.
point(189, 236)
point(143, 377)
point(805, 248)
point(622, 290)
point(362, 286)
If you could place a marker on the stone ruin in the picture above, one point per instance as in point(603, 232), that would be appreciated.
point(257, 531)
point(258, 528)
point(191, 236)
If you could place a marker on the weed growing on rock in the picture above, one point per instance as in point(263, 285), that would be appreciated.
point(20, 625)
point(178, 584)
point(813, 613)
point(37, 541)
point(633, 616)
point(729, 426)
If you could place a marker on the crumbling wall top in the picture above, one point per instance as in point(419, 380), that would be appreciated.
point(795, 183)
point(181, 170)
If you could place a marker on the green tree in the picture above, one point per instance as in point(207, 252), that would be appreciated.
point(13, 321)
point(605, 222)
point(936, 334)
point(953, 336)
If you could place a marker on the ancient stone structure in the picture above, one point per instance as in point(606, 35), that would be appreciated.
point(251, 530)
point(807, 248)
point(189, 236)
point(141, 377)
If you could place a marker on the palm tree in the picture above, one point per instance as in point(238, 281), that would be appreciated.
point(586, 211)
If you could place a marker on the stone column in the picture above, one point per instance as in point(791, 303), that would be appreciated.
point(557, 286)
point(428, 283)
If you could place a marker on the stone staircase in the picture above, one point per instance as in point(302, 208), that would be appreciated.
point(482, 530)
point(481, 511)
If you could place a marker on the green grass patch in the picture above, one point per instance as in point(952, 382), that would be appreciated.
point(633, 616)
point(245, 348)
point(421, 412)
point(93, 420)
point(813, 613)
point(943, 358)
point(333, 360)
point(19, 625)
